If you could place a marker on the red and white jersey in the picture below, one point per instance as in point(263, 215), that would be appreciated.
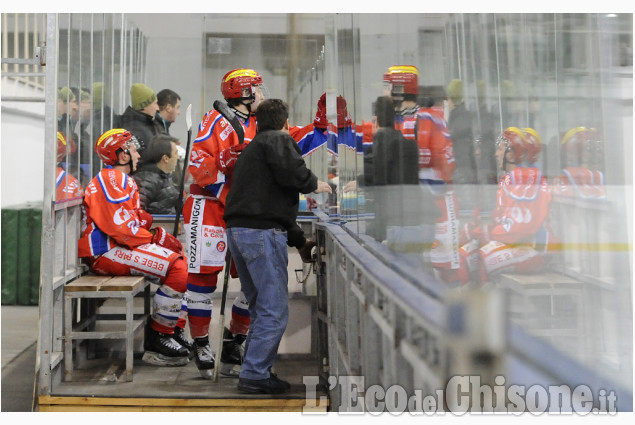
point(523, 205)
point(111, 214)
point(580, 182)
point(407, 122)
point(66, 186)
point(436, 157)
point(215, 134)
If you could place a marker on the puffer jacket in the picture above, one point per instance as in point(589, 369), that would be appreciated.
point(142, 126)
point(157, 192)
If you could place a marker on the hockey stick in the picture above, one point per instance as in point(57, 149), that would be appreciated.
point(229, 115)
point(179, 203)
point(221, 317)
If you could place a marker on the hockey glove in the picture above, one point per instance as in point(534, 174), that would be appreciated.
point(145, 219)
point(320, 115)
point(481, 233)
point(226, 160)
point(311, 203)
point(166, 240)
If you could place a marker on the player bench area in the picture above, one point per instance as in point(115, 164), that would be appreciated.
point(97, 290)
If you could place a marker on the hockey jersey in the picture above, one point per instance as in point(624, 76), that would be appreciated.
point(436, 157)
point(66, 186)
point(523, 205)
point(111, 214)
point(215, 134)
point(580, 182)
point(309, 138)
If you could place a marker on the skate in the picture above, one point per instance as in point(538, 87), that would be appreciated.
point(162, 350)
point(232, 354)
point(181, 338)
point(204, 357)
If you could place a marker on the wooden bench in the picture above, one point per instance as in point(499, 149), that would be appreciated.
point(104, 287)
point(559, 297)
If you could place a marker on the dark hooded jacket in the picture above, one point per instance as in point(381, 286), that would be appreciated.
point(157, 192)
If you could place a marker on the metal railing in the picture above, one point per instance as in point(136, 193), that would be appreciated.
point(376, 327)
point(23, 41)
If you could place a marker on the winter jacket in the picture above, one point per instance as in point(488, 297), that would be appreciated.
point(143, 126)
point(269, 176)
point(157, 192)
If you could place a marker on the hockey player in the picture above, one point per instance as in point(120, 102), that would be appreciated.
point(428, 128)
point(519, 230)
point(66, 186)
point(117, 239)
point(582, 154)
point(214, 154)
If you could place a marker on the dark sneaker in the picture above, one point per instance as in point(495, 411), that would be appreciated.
point(181, 338)
point(204, 357)
point(305, 251)
point(282, 382)
point(263, 386)
point(162, 350)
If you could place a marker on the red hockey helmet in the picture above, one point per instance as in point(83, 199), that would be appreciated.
point(235, 82)
point(515, 141)
point(111, 141)
point(61, 146)
point(403, 79)
point(572, 144)
point(64, 146)
point(534, 144)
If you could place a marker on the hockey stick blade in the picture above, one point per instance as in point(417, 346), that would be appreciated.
point(230, 116)
point(179, 202)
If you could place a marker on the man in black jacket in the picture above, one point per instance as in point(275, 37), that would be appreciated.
point(139, 116)
point(260, 213)
point(157, 192)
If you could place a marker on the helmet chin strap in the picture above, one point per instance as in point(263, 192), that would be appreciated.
point(129, 164)
point(244, 117)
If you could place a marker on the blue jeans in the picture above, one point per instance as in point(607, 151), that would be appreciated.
point(261, 259)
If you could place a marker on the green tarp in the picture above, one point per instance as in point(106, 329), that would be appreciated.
point(21, 244)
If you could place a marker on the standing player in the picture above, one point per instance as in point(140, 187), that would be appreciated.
point(214, 154)
point(117, 239)
point(436, 163)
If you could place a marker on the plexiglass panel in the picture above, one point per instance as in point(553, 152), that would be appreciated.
point(537, 110)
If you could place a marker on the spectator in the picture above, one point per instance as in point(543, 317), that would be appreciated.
point(67, 108)
point(460, 126)
point(103, 116)
point(139, 116)
point(117, 239)
point(157, 192)
point(390, 165)
point(391, 159)
point(261, 215)
point(169, 109)
point(169, 103)
point(79, 121)
point(485, 122)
